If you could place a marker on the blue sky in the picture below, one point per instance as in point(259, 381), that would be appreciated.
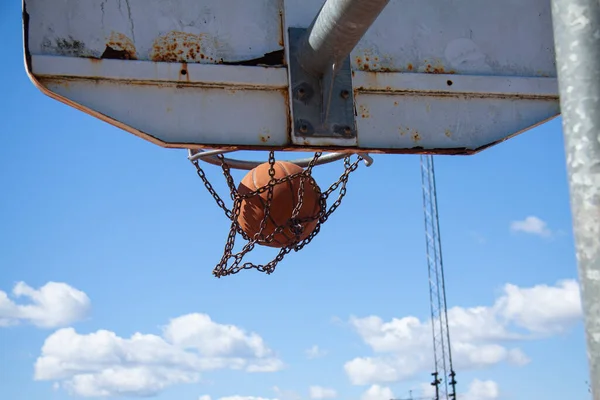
point(107, 244)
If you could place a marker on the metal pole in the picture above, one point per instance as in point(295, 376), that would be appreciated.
point(335, 31)
point(577, 42)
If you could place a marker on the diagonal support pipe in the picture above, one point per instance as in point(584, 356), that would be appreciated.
point(335, 31)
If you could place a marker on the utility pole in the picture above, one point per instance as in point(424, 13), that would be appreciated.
point(445, 385)
point(576, 24)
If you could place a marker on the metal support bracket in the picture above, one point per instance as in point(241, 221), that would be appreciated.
point(322, 107)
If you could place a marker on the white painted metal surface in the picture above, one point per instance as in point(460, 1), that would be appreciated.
point(449, 77)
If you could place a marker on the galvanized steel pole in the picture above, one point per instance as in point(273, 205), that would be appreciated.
point(335, 31)
point(577, 42)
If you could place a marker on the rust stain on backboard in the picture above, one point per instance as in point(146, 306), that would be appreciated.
point(285, 95)
point(364, 111)
point(367, 61)
point(370, 62)
point(264, 137)
point(119, 47)
point(178, 46)
point(281, 28)
point(436, 67)
point(184, 73)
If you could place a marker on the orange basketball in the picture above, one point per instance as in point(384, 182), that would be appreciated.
point(285, 198)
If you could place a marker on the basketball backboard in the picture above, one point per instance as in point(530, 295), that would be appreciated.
point(428, 76)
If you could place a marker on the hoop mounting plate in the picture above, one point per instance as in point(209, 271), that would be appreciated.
point(321, 107)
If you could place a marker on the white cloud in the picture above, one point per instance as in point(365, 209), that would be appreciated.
point(366, 370)
point(479, 335)
point(477, 390)
point(101, 364)
point(315, 352)
point(542, 309)
point(244, 398)
point(427, 390)
point(532, 225)
point(207, 397)
point(52, 305)
point(214, 340)
point(517, 357)
point(319, 392)
point(377, 392)
point(283, 394)
point(482, 390)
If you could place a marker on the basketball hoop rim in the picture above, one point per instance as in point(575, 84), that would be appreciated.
point(210, 157)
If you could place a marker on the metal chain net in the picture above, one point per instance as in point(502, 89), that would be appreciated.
point(231, 263)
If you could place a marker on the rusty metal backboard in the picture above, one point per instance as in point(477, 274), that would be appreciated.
point(429, 76)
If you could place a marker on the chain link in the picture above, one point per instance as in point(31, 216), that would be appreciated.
point(294, 225)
